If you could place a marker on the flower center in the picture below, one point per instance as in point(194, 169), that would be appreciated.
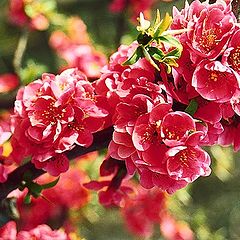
point(213, 76)
point(209, 39)
point(234, 59)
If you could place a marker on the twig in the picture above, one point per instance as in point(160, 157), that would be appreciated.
point(21, 47)
point(15, 178)
point(236, 8)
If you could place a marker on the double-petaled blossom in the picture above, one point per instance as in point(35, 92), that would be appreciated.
point(52, 115)
point(214, 81)
point(209, 68)
point(209, 28)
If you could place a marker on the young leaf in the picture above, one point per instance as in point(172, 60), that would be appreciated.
point(149, 58)
point(164, 25)
point(156, 53)
point(192, 107)
point(134, 58)
point(171, 41)
point(35, 189)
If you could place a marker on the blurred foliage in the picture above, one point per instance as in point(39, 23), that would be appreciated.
point(210, 205)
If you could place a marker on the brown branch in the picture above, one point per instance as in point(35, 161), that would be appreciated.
point(15, 178)
point(236, 8)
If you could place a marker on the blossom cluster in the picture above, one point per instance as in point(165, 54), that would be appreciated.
point(152, 138)
point(209, 70)
point(52, 115)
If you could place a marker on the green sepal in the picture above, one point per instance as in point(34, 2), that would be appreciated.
point(27, 199)
point(51, 184)
point(192, 107)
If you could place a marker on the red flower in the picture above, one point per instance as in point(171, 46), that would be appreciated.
point(53, 114)
point(231, 56)
point(210, 27)
point(214, 81)
point(187, 163)
point(143, 210)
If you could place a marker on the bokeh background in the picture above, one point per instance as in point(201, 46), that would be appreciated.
point(210, 206)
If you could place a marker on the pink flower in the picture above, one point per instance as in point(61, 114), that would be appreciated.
point(41, 232)
point(187, 163)
point(173, 230)
point(176, 128)
point(8, 231)
point(214, 81)
point(135, 6)
point(210, 27)
point(53, 114)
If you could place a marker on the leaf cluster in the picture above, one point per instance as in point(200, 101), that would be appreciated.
point(156, 43)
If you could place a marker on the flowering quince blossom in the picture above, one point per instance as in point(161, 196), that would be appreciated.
point(209, 66)
point(41, 232)
point(149, 207)
point(209, 28)
point(209, 80)
point(162, 145)
point(53, 114)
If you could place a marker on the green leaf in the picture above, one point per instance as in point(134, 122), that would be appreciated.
point(51, 184)
point(175, 53)
point(192, 107)
point(134, 58)
point(149, 58)
point(163, 26)
point(156, 53)
point(171, 41)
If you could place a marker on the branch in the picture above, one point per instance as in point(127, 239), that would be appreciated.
point(101, 140)
point(236, 9)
